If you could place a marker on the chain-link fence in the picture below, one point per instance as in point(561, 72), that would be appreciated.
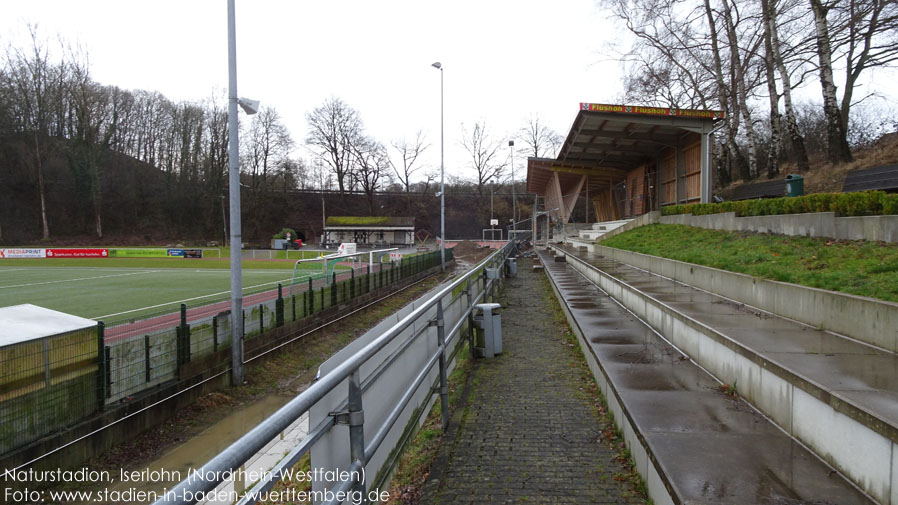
point(46, 383)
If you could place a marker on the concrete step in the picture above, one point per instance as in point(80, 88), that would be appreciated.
point(578, 243)
point(607, 226)
point(690, 440)
point(836, 395)
point(599, 229)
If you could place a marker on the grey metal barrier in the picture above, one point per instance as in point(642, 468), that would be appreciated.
point(444, 314)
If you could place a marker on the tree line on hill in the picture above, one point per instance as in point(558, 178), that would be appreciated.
point(80, 158)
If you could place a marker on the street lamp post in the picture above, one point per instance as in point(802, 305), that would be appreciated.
point(250, 107)
point(439, 67)
point(514, 200)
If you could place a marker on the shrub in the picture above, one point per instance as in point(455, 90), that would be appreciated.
point(283, 234)
point(864, 203)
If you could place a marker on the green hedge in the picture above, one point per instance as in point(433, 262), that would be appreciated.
point(864, 203)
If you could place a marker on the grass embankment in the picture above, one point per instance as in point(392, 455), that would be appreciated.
point(857, 267)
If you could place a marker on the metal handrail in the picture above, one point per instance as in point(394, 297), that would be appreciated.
point(243, 449)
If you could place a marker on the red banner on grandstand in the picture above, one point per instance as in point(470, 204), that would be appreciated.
point(77, 253)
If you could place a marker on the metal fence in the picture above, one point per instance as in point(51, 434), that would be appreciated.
point(420, 346)
point(45, 383)
point(49, 384)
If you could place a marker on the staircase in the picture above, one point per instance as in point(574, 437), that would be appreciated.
point(587, 238)
point(819, 367)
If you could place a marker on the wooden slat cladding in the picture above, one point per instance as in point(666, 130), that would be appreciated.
point(693, 155)
point(669, 180)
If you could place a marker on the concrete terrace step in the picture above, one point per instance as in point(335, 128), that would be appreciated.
point(599, 229)
point(690, 441)
point(837, 396)
point(578, 242)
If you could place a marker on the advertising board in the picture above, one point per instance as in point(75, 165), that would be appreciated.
point(23, 253)
point(138, 253)
point(77, 253)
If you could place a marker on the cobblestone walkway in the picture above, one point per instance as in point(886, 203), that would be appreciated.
point(527, 434)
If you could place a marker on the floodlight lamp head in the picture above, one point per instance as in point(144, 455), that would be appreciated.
point(437, 65)
point(511, 143)
point(248, 106)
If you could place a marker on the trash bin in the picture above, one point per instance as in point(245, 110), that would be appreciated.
point(511, 267)
point(488, 342)
point(794, 185)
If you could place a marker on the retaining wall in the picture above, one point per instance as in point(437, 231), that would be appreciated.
point(817, 224)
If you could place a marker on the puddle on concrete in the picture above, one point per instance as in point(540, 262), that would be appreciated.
point(198, 450)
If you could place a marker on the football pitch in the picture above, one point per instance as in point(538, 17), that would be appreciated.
point(115, 293)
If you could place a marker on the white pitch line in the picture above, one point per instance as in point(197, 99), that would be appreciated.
point(79, 279)
point(186, 300)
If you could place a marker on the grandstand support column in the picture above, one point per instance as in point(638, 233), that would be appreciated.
point(706, 165)
point(234, 190)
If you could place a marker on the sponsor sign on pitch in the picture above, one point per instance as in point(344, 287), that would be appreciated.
point(138, 253)
point(77, 253)
point(23, 253)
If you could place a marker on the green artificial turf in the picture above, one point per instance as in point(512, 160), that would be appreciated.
point(109, 292)
point(856, 267)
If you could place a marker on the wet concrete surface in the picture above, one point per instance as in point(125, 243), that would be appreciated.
point(858, 374)
point(710, 446)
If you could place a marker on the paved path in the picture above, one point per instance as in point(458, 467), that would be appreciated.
point(527, 434)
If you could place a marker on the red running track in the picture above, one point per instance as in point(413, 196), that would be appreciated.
point(167, 321)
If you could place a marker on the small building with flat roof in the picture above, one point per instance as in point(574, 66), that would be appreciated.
point(370, 230)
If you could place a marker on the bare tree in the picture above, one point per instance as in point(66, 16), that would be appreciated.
point(334, 129)
point(773, 20)
point(541, 140)
point(405, 163)
point(371, 162)
point(862, 34)
point(484, 151)
point(837, 142)
point(30, 77)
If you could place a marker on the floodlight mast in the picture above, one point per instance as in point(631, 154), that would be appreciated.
point(514, 200)
point(250, 107)
point(439, 66)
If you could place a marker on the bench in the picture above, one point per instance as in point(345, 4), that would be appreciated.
point(883, 178)
point(774, 188)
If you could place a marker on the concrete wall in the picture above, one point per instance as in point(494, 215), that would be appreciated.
point(865, 319)
point(818, 224)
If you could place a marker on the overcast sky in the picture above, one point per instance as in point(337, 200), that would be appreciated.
point(503, 59)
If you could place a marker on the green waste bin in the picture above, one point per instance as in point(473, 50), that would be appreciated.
point(794, 185)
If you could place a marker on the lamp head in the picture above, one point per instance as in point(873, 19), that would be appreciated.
point(248, 106)
point(437, 65)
